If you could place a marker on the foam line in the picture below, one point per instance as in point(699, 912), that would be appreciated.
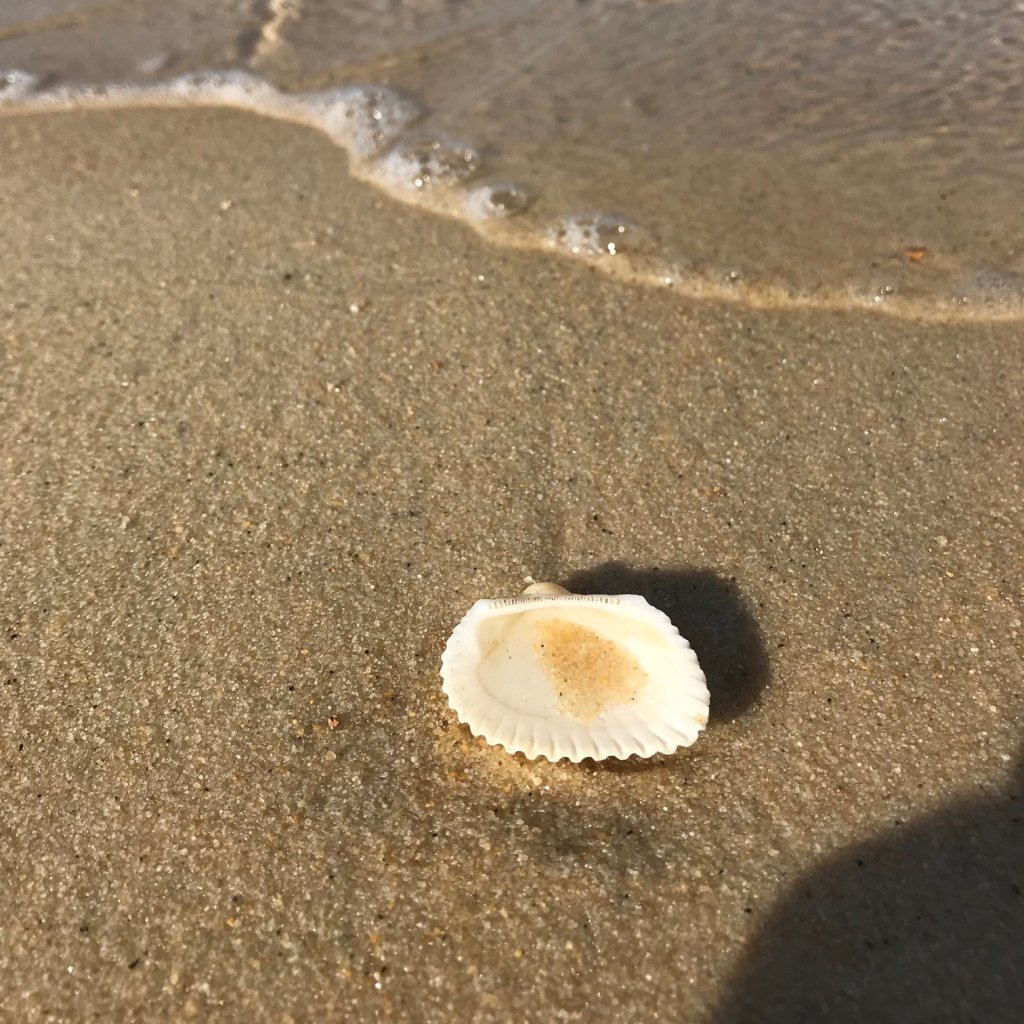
point(387, 146)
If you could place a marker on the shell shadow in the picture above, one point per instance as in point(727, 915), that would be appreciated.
point(711, 613)
point(607, 839)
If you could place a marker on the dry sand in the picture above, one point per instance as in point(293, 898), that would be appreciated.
point(265, 438)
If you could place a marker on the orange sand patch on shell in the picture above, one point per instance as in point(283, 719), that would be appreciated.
point(588, 671)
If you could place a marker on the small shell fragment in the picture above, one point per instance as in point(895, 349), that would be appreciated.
point(553, 674)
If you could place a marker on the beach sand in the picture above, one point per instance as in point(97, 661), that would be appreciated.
point(267, 435)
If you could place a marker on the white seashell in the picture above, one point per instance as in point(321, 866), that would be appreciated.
point(553, 674)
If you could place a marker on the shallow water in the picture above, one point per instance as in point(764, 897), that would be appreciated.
point(797, 153)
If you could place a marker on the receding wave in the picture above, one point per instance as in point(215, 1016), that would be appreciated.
point(390, 146)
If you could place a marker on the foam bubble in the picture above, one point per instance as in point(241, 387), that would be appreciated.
point(600, 234)
point(14, 84)
point(239, 88)
point(363, 119)
point(504, 199)
point(428, 164)
point(89, 94)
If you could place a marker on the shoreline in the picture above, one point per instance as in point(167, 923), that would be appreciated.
point(577, 236)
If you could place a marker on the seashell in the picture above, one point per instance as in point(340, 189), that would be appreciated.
point(553, 674)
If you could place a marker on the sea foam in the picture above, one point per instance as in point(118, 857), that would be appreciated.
point(383, 134)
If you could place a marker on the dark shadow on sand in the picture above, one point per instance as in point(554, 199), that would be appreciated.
point(710, 612)
point(924, 924)
point(615, 839)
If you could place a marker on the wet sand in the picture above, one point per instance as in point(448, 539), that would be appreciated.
point(265, 441)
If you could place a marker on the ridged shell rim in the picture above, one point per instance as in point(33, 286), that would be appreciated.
point(509, 730)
